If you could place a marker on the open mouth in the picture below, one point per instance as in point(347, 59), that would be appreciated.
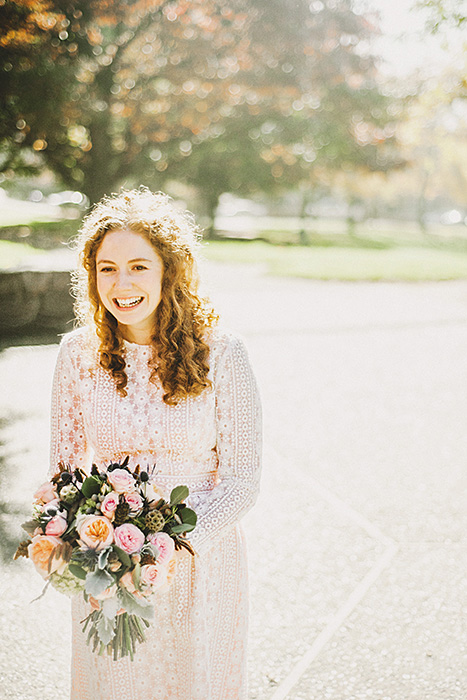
point(129, 303)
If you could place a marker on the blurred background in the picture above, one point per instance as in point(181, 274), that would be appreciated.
point(322, 146)
point(332, 133)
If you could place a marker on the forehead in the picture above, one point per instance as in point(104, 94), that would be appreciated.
point(125, 244)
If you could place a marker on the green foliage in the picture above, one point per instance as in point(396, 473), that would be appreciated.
point(91, 486)
point(179, 493)
point(237, 96)
point(97, 581)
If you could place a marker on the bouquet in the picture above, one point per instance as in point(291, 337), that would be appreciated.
point(110, 537)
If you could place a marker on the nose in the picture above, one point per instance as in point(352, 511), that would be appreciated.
point(123, 281)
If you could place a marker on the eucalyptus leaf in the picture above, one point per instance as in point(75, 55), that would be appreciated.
point(105, 627)
point(98, 581)
point(179, 494)
point(91, 485)
point(123, 556)
point(186, 527)
point(188, 516)
point(144, 609)
point(136, 575)
point(77, 571)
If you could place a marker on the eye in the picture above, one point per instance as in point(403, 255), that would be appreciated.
point(140, 267)
point(106, 269)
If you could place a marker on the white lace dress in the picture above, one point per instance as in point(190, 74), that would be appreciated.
point(196, 646)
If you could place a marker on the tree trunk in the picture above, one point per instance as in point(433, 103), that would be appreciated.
point(212, 200)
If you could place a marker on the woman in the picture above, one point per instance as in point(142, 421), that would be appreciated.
point(149, 375)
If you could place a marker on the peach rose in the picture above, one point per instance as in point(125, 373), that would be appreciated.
point(126, 581)
point(164, 544)
point(108, 593)
point(135, 502)
point(129, 538)
point(109, 505)
point(96, 532)
point(121, 480)
point(41, 552)
point(45, 493)
point(56, 526)
point(154, 576)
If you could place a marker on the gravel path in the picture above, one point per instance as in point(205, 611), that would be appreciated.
point(357, 544)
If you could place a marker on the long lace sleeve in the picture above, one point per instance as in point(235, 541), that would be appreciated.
point(68, 437)
point(238, 418)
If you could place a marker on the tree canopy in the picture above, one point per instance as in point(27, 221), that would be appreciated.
point(224, 94)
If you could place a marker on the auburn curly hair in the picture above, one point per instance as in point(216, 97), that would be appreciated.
point(180, 351)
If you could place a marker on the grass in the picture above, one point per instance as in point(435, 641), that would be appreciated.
point(331, 257)
point(405, 263)
point(13, 254)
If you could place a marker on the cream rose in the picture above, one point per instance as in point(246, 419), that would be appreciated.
point(121, 480)
point(41, 552)
point(154, 576)
point(45, 493)
point(96, 531)
point(164, 544)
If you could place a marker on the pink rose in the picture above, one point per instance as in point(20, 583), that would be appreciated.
point(56, 526)
point(109, 505)
point(41, 552)
point(121, 480)
point(129, 538)
point(154, 576)
point(45, 493)
point(96, 531)
point(164, 544)
point(135, 502)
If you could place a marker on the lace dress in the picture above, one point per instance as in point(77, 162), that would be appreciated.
point(195, 648)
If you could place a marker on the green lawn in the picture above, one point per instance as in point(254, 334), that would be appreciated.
point(416, 262)
point(13, 254)
point(345, 263)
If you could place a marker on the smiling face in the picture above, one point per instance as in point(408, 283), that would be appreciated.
point(129, 275)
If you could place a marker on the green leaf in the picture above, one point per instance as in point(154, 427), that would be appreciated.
point(110, 606)
point(105, 627)
point(136, 575)
point(77, 571)
point(97, 581)
point(123, 556)
point(188, 516)
point(91, 485)
point(103, 556)
point(30, 526)
point(177, 529)
point(144, 609)
point(179, 494)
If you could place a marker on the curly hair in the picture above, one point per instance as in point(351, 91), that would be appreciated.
point(180, 351)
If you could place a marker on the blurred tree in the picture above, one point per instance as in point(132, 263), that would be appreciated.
point(229, 95)
point(444, 12)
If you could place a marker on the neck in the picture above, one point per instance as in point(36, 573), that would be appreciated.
point(135, 335)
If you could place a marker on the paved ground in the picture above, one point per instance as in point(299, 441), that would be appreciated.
point(357, 544)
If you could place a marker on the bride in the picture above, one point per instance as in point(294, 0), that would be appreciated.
point(149, 375)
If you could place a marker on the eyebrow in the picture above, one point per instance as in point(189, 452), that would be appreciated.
point(131, 261)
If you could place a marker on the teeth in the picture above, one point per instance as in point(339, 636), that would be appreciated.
point(131, 301)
